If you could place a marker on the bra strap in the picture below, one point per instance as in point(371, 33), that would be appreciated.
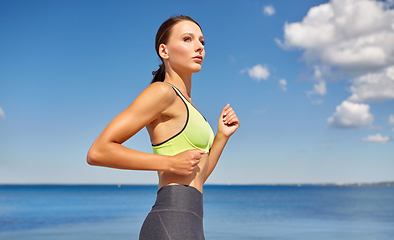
point(177, 91)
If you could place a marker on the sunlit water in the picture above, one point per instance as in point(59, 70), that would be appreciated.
point(230, 212)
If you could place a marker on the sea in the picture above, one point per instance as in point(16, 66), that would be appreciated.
point(116, 212)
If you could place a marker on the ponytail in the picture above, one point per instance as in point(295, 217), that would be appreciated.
point(159, 74)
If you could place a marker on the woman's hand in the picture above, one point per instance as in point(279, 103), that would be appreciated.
point(228, 121)
point(185, 162)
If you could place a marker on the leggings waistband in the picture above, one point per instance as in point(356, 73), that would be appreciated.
point(180, 198)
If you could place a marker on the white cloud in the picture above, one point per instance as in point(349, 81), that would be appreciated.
point(258, 72)
point(376, 138)
point(391, 119)
point(269, 10)
point(318, 74)
point(283, 84)
point(351, 115)
point(348, 39)
point(319, 88)
point(373, 86)
point(2, 114)
point(354, 35)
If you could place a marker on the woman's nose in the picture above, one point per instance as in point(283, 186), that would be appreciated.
point(200, 47)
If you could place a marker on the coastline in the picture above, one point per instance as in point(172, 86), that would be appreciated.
point(386, 184)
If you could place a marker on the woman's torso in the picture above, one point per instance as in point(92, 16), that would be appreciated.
point(181, 127)
point(196, 179)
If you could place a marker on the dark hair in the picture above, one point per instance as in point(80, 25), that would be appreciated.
point(162, 36)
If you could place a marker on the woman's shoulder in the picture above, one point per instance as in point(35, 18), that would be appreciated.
point(159, 92)
point(161, 87)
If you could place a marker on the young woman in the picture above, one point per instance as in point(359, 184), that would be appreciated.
point(185, 148)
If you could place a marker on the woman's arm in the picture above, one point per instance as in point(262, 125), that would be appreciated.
point(108, 151)
point(228, 123)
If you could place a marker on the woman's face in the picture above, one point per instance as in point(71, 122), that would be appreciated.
point(185, 47)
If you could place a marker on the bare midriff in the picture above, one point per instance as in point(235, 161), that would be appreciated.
point(196, 179)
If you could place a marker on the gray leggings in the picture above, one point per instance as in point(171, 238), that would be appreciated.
point(177, 214)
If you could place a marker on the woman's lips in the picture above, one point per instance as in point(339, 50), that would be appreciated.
point(198, 58)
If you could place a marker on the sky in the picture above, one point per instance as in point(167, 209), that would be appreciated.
point(311, 81)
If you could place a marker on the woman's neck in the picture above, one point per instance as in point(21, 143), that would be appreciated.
point(182, 82)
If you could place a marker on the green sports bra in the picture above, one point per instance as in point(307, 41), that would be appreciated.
point(196, 134)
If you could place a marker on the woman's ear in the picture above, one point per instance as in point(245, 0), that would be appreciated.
point(163, 51)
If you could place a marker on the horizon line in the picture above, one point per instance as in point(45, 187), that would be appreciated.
point(388, 183)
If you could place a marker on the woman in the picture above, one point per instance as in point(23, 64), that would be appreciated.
point(185, 149)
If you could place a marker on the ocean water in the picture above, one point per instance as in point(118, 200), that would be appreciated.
point(230, 212)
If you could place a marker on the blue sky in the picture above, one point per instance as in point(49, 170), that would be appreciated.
point(312, 83)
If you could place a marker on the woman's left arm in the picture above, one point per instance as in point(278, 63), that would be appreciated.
point(228, 123)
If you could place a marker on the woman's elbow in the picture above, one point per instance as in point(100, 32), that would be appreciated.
point(93, 157)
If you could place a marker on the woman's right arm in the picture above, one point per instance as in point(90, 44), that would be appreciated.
point(108, 151)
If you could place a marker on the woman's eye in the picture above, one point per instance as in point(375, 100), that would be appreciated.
point(202, 42)
point(187, 39)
